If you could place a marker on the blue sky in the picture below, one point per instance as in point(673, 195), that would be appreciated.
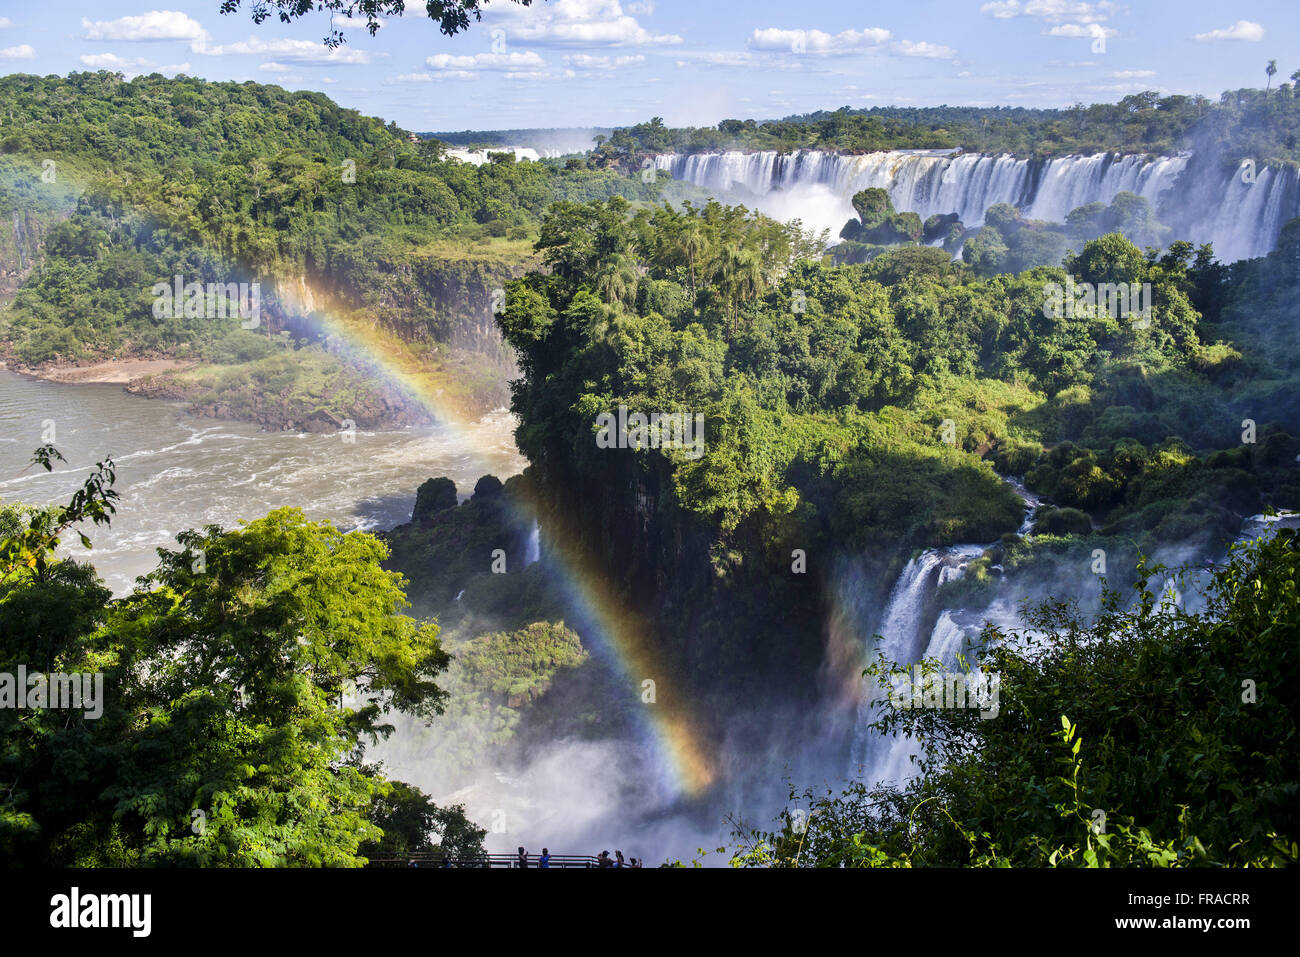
point(614, 62)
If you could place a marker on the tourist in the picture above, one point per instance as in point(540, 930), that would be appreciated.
point(545, 859)
point(523, 858)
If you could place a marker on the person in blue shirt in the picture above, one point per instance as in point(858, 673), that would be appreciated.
point(545, 859)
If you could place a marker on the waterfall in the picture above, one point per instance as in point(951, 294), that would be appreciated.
point(905, 641)
point(1214, 204)
point(533, 548)
point(479, 157)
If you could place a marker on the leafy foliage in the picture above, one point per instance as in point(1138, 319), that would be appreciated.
point(226, 734)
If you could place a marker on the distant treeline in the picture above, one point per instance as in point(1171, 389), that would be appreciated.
point(1248, 122)
point(571, 139)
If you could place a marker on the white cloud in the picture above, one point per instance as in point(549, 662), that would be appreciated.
point(590, 23)
point(1241, 30)
point(721, 58)
point(172, 25)
point(432, 77)
point(21, 52)
point(586, 61)
point(130, 66)
point(931, 50)
point(273, 67)
point(527, 75)
point(340, 22)
point(5, 23)
point(1053, 11)
point(109, 61)
point(641, 8)
point(155, 25)
point(815, 41)
point(1076, 31)
point(1132, 74)
point(304, 51)
point(484, 61)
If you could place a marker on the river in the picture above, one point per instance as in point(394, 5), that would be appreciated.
point(177, 471)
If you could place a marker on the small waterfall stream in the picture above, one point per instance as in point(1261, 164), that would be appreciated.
point(905, 641)
point(533, 547)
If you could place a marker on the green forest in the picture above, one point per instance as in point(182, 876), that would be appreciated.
point(827, 392)
point(241, 182)
point(870, 401)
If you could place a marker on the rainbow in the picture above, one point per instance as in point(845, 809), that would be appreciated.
point(667, 718)
point(667, 721)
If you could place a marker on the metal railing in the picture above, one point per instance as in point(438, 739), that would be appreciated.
point(440, 860)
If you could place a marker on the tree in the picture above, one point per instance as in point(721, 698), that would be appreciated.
point(432, 497)
point(488, 487)
point(452, 16)
point(1270, 70)
point(255, 677)
point(30, 551)
point(410, 821)
point(237, 688)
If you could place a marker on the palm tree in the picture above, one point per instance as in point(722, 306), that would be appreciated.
point(739, 277)
point(1270, 70)
point(694, 245)
point(618, 278)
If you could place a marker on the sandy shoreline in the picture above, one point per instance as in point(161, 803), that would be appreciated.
point(114, 371)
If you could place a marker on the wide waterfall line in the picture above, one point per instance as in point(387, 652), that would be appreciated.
point(1241, 214)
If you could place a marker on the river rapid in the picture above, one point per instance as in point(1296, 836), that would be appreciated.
point(177, 471)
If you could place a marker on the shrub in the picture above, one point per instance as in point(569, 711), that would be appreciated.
point(432, 497)
point(1062, 521)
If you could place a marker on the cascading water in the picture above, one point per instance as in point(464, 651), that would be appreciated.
point(904, 641)
point(1242, 216)
point(533, 547)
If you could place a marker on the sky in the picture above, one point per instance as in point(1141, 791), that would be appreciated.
point(561, 63)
